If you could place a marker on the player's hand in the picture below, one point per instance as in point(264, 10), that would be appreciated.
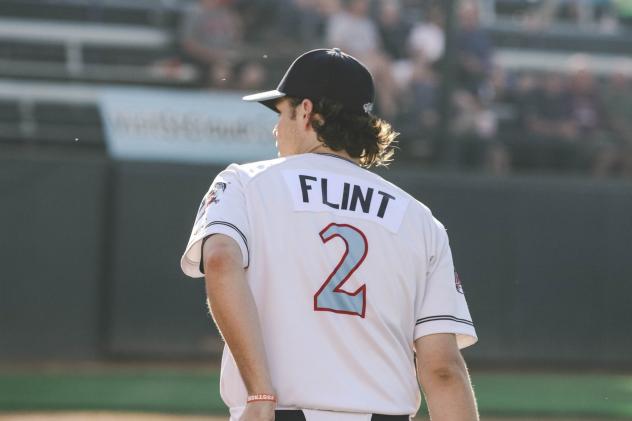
point(259, 411)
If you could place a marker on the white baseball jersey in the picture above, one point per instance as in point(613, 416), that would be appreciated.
point(346, 270)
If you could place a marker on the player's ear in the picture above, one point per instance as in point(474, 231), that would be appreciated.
point(305, 109)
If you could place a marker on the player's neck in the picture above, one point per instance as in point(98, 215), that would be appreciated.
point(322, 149)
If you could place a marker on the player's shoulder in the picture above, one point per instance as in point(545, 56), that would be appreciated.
point(416, 205)
point(418, 214)
point(250, 170)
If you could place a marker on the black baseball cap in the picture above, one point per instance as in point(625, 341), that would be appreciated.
point(324, 73)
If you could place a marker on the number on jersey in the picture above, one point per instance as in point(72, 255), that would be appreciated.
point(331, 296)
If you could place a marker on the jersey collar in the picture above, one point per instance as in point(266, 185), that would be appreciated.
point(335, 156)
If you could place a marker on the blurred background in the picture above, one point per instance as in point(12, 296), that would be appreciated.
point(115, 116)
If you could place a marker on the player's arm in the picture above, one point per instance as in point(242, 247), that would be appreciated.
point(234, 311)
point(444, 379)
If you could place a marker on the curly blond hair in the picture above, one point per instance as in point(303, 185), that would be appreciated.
point(363, 136)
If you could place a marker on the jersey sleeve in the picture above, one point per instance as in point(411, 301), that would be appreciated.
point(222, 211)
point(440, 304)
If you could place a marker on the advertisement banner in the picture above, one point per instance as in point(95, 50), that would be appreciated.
point(185, 126)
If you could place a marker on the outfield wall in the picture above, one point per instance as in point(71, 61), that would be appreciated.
point(52, 214)
point(90, 254)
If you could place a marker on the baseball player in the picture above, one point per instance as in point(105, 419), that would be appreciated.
point(324, 279)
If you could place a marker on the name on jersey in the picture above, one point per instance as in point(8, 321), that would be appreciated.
point(350, 196)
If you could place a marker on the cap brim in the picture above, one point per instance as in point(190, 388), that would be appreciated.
point(264, 96)
point(267, 98)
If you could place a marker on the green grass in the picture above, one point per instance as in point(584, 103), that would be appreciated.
point(158, 390)
point(555, 394)
point(153, 391)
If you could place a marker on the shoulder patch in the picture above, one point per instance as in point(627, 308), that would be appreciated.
point(457, 282)
point(213, 196)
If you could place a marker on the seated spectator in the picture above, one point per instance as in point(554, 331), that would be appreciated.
point(427, 37)
point(352, 30)
point(475, 125)
point(586, 106)
point(514, 99)
point(394, 29)
point(302, 20)
point(423, 88)
point(474, 50)
point(618, 105)
point(617, 101)
point(597, 146)
point(606, 16)
point(551, 114)
point(521, 96)
point(210, 35)
point(258, 19)
point(509, 94)
point(600, 14)
point(425, 45)
point(503, 88)
point(552, 132)
point(419, 117)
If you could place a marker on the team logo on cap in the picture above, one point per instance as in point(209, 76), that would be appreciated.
point(368, 107)
point(457, 282)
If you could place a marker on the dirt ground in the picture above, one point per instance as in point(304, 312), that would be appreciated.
point(119, 416)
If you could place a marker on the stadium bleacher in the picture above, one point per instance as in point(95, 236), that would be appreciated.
point(49, 113)
point(55, 53)
point(154, 13)
point(109, 52)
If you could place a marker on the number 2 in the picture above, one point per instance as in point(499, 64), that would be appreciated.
point(331, 296)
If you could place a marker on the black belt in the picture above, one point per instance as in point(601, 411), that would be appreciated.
point(297, 415)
